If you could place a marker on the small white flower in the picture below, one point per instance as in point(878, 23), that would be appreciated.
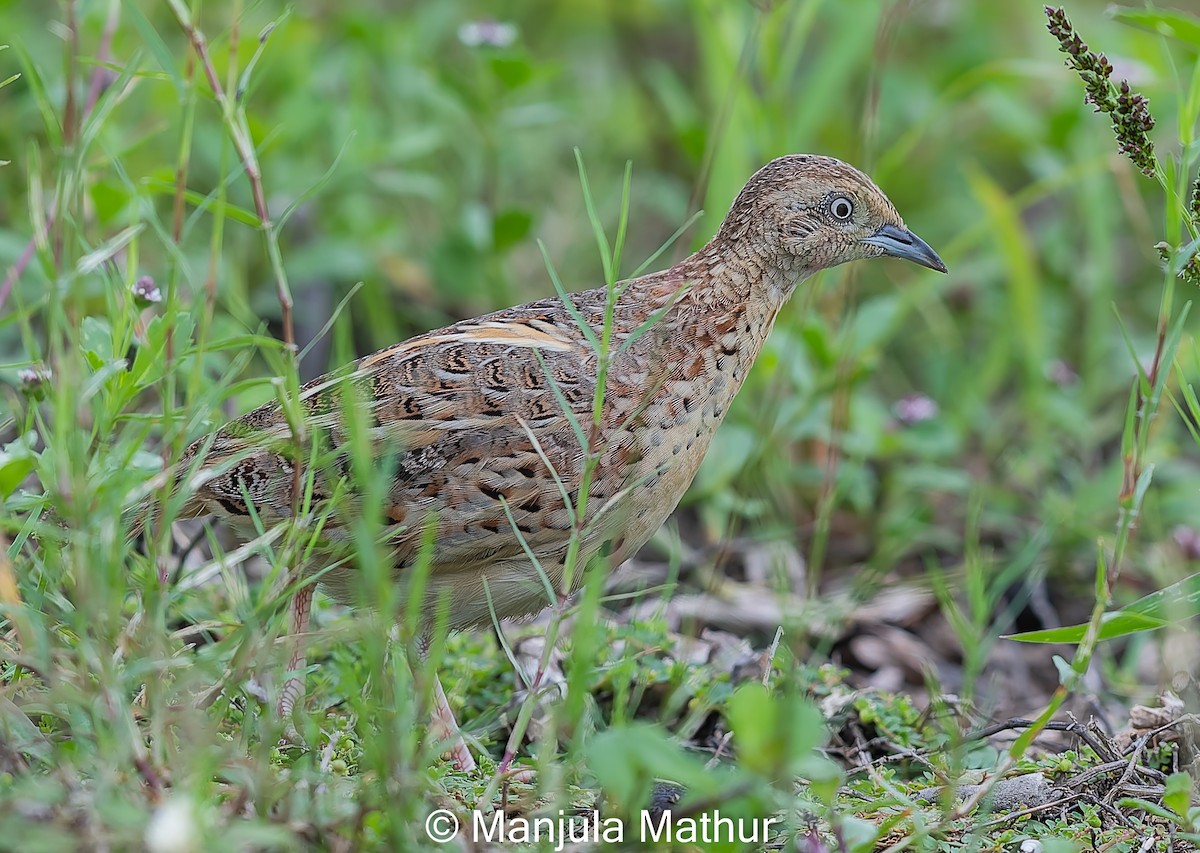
point(35, 381)
point(172, 828)
point(487, 33)
point(33, 375)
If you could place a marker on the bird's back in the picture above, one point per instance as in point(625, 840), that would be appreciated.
point(481, 428)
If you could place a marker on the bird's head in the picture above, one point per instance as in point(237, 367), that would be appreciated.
point(817, 212)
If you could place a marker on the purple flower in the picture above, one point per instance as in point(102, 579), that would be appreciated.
point(1061, 373)
point(1188, 540)
point(146, 292)
point(487, 33)
point(914, 409)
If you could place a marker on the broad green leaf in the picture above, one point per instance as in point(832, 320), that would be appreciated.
point(145, 462)
point(17, 460)
point(816, 336)
point(21, 735)
point(626, 761)
point(509, 228)
point(859, 834)
point(1068, 677)
point(754, 719)
point(772, 731)
point(1166, 22)
point(1178, 794)
point(732, 448)
point(1059, 845)
point(1146, 806)
point(512, 70)
point(872, 323)
point(96, 338)
point(110, 198)
point(149, 363)
point(1177, 602)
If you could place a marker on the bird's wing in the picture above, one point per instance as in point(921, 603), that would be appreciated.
point(470, 422)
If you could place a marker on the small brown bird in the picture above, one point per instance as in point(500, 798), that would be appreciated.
point(471, 422)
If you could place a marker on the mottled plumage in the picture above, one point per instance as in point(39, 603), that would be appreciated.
point(471, 417)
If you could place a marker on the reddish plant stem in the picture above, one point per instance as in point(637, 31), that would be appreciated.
point(246, 153)
point(69, 118)
point(69, 121)
point(181, 173)
point(100, 75)
point(1131, 469)
point(242, 143)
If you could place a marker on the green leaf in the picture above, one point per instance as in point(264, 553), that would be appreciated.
point(21, 735)
point(201, 201)
point(17, 460)
point(618, 777)
point(12, 78)
point(96, 339)
point(1178, 794)
point(732, 448)
point(1146, 806)
point(1180, 26)
point(858, 834)
point(872, 323)
point(145, 462)
point(1067, 676)
point(1059, 845)
point(771, 732)
point(110, 199)
point(148, 363)
point(509, 228)
point(1171, 605)
point(36, 84)
point(512, 70)
point(754, 719)
point(627, 759)
point(1024, 283)
point(594, 219)
point(816, 336)
point(162, 54)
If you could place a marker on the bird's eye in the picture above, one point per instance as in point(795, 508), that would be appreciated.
point(842, 208)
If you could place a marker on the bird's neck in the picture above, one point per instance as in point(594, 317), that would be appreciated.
point(742, 271)
point(739, 278)
point(722, 302)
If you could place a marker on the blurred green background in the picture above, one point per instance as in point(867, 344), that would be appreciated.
point(897, 419)
point(960, 432)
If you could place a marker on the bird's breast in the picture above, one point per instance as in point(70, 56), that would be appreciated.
point(674, 428)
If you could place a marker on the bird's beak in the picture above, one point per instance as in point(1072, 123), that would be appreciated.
point(902, 243)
